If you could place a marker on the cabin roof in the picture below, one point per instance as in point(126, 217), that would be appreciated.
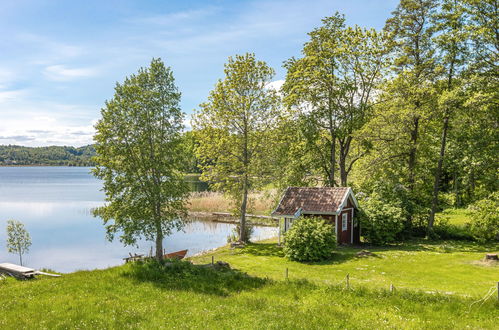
point(313, 200)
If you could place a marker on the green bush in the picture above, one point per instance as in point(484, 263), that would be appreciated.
point(381, 220)
point(484, 224)
point(310, 239)
point(443, 229)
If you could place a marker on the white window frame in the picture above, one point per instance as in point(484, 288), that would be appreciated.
point(344, 222)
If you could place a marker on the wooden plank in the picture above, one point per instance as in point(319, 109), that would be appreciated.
point(225, 214)
point(17, 271)
point(15, 268)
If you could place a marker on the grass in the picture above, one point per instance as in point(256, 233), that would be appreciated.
point(254, 293)
point(258, 202)
point(455, 216)
point(447, 266)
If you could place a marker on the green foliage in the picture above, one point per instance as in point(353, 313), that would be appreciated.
point(52, 156)
point(310, 239)
point(139, 157)
point(331, 90)
point(381, 220)
point(18, 239)
point(485, 218)
point(444, 229)
point(235, 131)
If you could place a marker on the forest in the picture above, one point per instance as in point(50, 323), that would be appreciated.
point(407, 116)
point(12, 155)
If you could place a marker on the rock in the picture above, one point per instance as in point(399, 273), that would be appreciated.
point(364, 253)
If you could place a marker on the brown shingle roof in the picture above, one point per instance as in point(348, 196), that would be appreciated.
point(317, 199)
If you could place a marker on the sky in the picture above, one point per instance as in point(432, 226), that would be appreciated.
point(60, 60)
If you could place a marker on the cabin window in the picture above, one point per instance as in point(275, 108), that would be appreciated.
point(344, 222)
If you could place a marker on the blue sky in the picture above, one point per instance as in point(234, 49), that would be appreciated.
point(60, 60)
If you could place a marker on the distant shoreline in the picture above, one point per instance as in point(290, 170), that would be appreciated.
point(42, 165)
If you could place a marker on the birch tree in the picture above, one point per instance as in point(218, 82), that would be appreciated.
point(18, 239)
point(139, 157)
point(235, 129)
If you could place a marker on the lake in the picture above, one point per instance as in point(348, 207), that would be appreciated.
point(55, 203)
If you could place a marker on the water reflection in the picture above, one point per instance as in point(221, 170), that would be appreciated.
point(55, 205)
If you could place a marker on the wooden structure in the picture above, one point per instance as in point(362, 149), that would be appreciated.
point(176, 255)
point(335, 204)
point(21, 272)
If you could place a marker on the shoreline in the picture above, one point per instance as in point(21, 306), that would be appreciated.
point(228, 218)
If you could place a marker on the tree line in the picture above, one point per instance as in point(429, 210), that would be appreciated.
point(408, 114)
point(50, 156)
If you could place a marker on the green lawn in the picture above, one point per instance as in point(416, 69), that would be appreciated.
point(450, 267)
point(455, 216)
point(194, 296)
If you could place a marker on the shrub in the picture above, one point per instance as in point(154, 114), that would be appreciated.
point(381, 220)
point(445, 230)
point(310, 239)
point(485, 218)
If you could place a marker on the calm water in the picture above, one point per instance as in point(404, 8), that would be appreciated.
point(54, 203)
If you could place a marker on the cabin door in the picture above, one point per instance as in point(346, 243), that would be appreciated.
point(344, 228)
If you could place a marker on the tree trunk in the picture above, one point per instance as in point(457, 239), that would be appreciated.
point(21, 258)
point(412, 153)
point(344, 150)
point(343, 173)
point(457, 200)
point(332, 161)
point(159, 240)
point(436, 184)
point(242, 224)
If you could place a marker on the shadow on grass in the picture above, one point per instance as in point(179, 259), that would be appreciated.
point(345, 253)
point(437, 246)
point(184, 276)
point(263, 249)
point(340, 255)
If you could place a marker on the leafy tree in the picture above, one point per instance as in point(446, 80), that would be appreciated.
point(381, 220)
point(332, 87)
point(235, 130)
point(414, 69)
point(18, 239)
point(485, 218)
point(483, 27)
point(139, 154)
point(399, 133)
point(310, 239)
point(453, 50)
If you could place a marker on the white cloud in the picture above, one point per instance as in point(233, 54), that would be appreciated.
point(63, 73)
point(276, 85)
point(10, 95)
point(175, 18)
point(27, 120)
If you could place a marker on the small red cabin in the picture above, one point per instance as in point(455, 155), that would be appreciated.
point(335, 204)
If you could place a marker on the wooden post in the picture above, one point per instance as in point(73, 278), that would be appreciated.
point(348, 281)
point(279, 232)
point(212, 260)
point(287, 273)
